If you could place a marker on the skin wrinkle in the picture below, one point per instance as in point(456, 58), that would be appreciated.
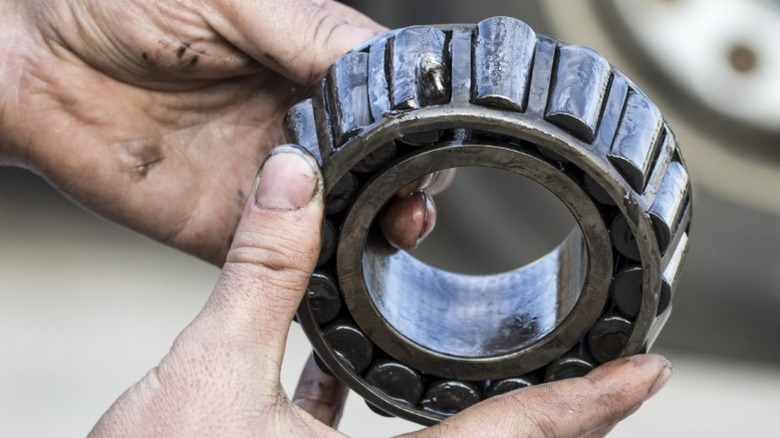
point(180, 231)
point(333, 26)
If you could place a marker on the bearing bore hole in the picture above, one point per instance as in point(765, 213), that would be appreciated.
point(492, 221)
point(509, 226)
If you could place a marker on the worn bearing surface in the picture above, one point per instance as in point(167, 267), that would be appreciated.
point(422, 343)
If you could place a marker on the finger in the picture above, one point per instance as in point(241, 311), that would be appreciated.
point(415, 186)
point(348, 14)
point(298, 38)
point(441, 181)
point(320, 395)
point(272, 257)
point(601, 432)
point(405, 222)
point(568, 408)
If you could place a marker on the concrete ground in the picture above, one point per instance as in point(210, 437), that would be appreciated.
point(88, 307)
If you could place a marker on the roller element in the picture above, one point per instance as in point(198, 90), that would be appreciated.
point(633, 149)
point(323, 118)
point(575, 363)
point(671, 274)
point(626, 290)
point(350, 345)
point(502, 57)
point(302, 128)
point(613, 109)
point(378, 89)
point(666, 153)
point(328, 242)
point(654, 331)
point(324, 298)
point(377, 410)
point(396, 381)
point(597, 192)
point(541, 75)
point(460, 54)
point(669, 204)
point(347, 84)
point(341, 194)
point(507, 385)
point(449, 397)
point(623, 239)
point(421, 138)
point(375, 160)
point(608, 337)
point(321, 364)
point(420, 74)
point(578, 91)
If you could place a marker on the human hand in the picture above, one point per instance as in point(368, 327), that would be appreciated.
point(157, 114)
point(221, 377)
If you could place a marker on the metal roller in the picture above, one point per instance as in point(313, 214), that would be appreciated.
point(396, 380)
point(513, 383)
point(422, 343)
point(450, 397)
point(608, 337)
point(323, 297)
point(328, 246)
point(350, 345)
point(575, 363)
point(340, 194)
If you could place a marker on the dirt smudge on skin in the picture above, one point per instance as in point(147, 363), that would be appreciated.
point(182, 50)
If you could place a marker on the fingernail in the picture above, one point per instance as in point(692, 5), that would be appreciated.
point(415, 186)
point(429, 220)
point(288, 180)
point(663, 378)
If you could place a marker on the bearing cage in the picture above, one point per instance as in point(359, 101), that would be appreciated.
point(562, 104)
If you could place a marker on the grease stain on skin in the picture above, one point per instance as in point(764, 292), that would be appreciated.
point(182, 50)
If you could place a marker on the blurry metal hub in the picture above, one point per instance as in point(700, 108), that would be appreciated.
point(423, 343)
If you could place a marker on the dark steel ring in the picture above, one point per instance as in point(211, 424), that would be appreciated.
point(422, 343)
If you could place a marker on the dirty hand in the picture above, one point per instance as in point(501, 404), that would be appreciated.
point(221, 376)
point(157, 114)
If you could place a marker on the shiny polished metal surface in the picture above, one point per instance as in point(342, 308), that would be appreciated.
point(426, 98)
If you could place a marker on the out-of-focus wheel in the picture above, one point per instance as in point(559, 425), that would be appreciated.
point(713, 70)
point(423, 343)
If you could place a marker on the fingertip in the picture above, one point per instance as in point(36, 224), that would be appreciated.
point(289, 179)
point(405, 222)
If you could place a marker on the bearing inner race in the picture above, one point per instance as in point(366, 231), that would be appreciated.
point(468, 326)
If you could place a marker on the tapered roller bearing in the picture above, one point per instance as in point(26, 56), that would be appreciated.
point(422, 343)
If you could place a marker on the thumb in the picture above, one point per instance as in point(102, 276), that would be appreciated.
point(588, 405)
point(273, 255)
point(297, 38)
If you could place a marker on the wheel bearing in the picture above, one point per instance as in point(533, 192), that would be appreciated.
point(426, 98)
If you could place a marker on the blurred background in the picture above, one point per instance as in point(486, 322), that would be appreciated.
point(86, 307)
